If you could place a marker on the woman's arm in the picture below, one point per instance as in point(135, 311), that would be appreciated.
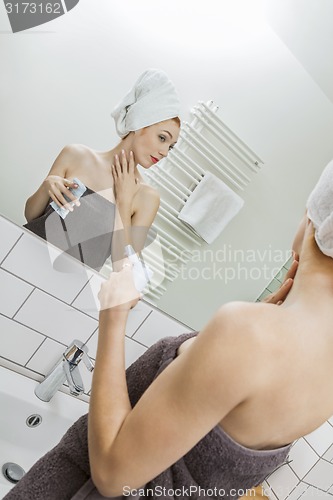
point(53, 186)
point(129, 447)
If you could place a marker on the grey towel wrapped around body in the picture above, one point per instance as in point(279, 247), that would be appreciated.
point(85, 234)
point(217, 464)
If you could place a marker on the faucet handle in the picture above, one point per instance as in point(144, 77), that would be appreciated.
point(87, 361)
point(77, 351)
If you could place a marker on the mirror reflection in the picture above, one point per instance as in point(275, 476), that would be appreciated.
point(94, 204)
point(269, 93)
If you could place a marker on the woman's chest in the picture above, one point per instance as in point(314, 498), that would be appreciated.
point(95, 177)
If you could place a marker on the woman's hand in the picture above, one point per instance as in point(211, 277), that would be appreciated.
point(280, 295)
point(56, 187)
point(118, 292)
point(126, 184)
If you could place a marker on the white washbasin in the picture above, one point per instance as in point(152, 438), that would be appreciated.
point(19, 443)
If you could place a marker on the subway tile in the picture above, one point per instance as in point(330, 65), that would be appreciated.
point(313, 493)
point(92, 345)
point(283, 481)
point(289, 261)
point(281, 274)
point(32, 258)
point(13, 292)
point(298, 491)
point(329, 454)
point(46, 356)
point(132, 349)
point(303, 458)
point(273, 285)
point(17, 342)
point(321, 475)
point(136, 317)
point(87, 300)
point(10, 233)
point(321, 438)
point(263, 295)
point(55, 319)
point(157, 326)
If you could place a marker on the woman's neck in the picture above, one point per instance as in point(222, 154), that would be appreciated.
point(125, 144)
point(313, 283)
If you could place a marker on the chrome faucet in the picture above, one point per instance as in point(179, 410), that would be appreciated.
point(66, 369)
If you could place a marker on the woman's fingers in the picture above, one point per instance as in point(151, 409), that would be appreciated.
point(131, 164)
point(292, 270)
point(63, 201)
point(54, 199)
point(280, 295)
point(70, 184)
point(124, 165)
point(117, 166)
point(64, 188)
point(124, 162)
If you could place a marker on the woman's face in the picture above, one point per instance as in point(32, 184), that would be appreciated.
point(151, 144)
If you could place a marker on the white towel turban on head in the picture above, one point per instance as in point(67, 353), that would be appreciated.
point(153, 99)
point(320, 210)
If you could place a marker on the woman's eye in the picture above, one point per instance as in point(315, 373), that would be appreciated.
point(162, 137)
point(171, 147)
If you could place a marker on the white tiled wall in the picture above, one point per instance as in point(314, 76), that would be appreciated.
point(308, 473)
point(43, 309)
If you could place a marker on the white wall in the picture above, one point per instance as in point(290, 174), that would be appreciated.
point(60, 82)
point(305, 26)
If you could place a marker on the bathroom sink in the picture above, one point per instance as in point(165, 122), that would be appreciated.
point(22, 444)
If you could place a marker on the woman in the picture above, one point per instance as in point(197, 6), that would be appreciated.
point(228, 402)
point(117, 202)
point(178, 427)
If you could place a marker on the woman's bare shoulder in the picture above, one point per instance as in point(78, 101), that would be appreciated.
point(77, 158)
point(252, 324)
point(148, 190)
point(77, 150)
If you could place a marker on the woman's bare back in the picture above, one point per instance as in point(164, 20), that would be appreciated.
point(296, 394)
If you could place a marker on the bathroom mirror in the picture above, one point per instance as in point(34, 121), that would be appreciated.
point(259, 61)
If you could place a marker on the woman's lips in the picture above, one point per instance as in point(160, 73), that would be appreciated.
point(155, 160)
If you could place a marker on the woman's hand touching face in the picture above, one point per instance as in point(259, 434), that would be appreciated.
point(126, 183)
point(281, 294)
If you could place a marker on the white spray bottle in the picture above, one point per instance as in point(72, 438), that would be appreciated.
point(142, 274)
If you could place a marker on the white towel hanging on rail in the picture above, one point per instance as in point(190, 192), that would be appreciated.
point(210, 207)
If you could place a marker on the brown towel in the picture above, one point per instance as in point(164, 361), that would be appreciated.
point(216, 464)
